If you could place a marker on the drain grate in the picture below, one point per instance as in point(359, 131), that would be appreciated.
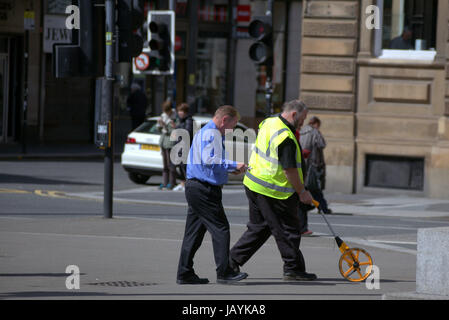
point(122, 284)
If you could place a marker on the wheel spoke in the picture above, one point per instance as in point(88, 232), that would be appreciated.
point(349, 261)
point(354, 257)
point(348, 271)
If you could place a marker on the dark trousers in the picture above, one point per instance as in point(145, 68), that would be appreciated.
point(318, 196)
point(302, 213)
point(137, 121)
point(169, 170)
point(269, 216)
point(205, 213)
point(183, 170)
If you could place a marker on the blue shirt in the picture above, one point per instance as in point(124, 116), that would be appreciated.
point(207, 157)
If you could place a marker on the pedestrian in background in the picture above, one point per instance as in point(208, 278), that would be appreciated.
point(184, 121)
point(136, 105)
point(166, 124)
point(313, 143)
point(302, 207)
point(403, 41)
point(207, 172)
point(274, 186)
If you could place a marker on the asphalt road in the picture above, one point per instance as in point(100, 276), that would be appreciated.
point(75, 188)
point(51, 217)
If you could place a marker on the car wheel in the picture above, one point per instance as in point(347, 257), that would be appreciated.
point(138, 178)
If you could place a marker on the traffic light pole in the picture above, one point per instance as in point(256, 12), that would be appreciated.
point(269, 69)
point(107, 108)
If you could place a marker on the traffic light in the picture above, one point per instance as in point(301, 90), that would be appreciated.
point(261, 51)
point(84, 57)
point(161, 42)
point(130, 18)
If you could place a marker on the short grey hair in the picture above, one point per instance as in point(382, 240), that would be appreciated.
point(294, 105)
point(135, 86)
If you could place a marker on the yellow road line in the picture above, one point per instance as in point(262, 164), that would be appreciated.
point(13, 191)
point(53, 194)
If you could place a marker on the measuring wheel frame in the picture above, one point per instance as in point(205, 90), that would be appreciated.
point(352, 267)
point(350, 256)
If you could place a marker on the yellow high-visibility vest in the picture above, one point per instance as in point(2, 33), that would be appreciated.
point(266, 175)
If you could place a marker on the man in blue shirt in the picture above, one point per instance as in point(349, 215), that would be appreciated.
point(207, 172)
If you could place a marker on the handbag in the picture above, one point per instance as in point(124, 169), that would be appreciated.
point(312, 182)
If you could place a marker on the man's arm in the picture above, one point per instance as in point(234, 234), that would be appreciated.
point(293, 177)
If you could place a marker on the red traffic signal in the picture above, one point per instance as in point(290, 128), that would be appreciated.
point(261, 52)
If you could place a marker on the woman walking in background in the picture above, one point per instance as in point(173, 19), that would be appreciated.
point(184, 121)
point(313, 143)
point(166, 124)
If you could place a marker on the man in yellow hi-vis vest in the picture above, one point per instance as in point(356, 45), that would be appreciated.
point(274, 185)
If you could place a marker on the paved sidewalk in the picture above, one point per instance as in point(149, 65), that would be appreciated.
point(16, 151)
point(137, 259)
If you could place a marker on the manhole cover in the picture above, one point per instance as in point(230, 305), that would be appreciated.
point(122, 284)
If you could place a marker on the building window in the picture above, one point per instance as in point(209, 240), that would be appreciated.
point(211, 72)
point(394, 172)
point(408, 29)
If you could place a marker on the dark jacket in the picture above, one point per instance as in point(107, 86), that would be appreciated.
point(137, 103)
point(312, 140)
point(187, 124)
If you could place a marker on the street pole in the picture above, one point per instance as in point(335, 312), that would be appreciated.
point(269, 68)
point(170, 80)
point(107, 108)
point(25, 93)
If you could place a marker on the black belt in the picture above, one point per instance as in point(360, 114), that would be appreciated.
point(206, 183)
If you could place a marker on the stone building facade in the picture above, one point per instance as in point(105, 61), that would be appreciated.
point(385, 117)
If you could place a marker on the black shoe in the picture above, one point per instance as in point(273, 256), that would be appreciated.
point(328, 211)
point(232, 278)
point(193, 280)
point(234, 266)
point(299, 276)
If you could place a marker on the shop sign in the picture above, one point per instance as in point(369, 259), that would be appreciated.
point(242, 33)
point(216, 13)
point(243, 13)
point(57, 6)
point(55, 31)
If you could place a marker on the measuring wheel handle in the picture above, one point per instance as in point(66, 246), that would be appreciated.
point(355, 264)
point(341, 244)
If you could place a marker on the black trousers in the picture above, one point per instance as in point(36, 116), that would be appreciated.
point(269, 216)
point(205, 213)
point(303, 210)
point(318, 196)
point(169, 169)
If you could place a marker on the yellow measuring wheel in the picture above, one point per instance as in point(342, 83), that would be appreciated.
point(355, 264)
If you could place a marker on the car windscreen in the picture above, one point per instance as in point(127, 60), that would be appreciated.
point(149, 126)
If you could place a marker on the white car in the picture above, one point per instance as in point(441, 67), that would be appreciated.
point(142, 156)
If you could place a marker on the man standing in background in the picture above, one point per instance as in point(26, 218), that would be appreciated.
point(136, 105)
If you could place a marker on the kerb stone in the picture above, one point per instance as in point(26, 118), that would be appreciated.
point(432, 261)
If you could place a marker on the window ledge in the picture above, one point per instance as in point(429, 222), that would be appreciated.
point(416, 55)
point(403, 58)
